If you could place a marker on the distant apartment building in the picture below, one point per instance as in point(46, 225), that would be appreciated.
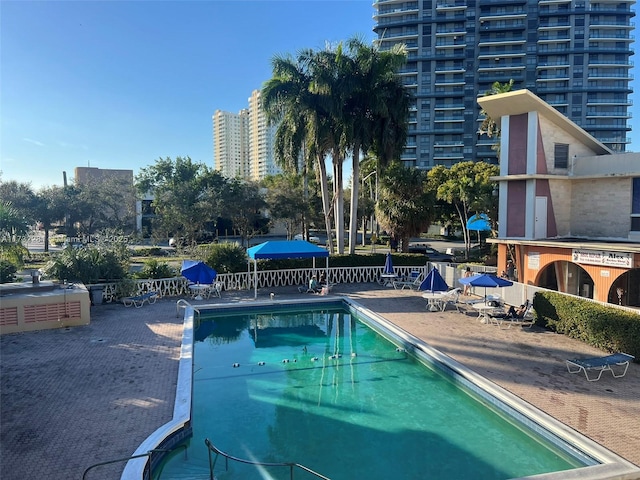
point(231, 143)
point(573, 54)
point(244, 142)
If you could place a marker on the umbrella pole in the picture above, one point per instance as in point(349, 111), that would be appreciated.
point(255, 279)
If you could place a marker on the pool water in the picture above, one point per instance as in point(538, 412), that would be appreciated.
point(325, 390)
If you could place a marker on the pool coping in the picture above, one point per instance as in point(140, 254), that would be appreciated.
point(610, 466)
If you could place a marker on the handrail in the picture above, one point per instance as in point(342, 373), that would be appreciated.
point(211, 447)
point(182, 303)
point(126, 459)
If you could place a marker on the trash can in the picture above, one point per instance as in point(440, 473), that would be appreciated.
point(95, 292)
point(35, 277)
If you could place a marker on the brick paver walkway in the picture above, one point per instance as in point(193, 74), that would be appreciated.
point(74, 397)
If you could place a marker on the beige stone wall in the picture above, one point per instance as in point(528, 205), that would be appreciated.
point(561, 194)
point(601, 207)
point(551, 135)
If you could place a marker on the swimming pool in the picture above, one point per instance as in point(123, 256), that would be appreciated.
point(380, 413)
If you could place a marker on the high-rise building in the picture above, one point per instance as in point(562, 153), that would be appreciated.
point(231, 143)
point(243, 142)
point(261, 141)
point(573, 54)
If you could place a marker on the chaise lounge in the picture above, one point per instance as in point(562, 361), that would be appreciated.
point(600, 364)
point(139, 300)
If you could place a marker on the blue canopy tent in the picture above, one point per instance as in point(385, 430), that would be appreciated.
point(285, 249)
point(479, 222)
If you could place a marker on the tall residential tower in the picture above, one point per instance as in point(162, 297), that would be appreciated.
point(573, 54)
point(243, 142)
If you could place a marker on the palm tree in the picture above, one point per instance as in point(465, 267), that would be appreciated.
point(288, 99)
point(372, 94)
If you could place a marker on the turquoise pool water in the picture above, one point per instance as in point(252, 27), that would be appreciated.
point(323, 389)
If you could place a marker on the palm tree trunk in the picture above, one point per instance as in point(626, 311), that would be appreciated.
point(326, 205)
point(355, 185)
point(339, 203)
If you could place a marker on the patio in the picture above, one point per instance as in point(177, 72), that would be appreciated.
point(78, 396)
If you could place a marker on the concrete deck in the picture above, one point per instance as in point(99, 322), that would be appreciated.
point(77, 396)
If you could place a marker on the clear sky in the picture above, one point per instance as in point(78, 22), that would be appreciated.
point(119, 84)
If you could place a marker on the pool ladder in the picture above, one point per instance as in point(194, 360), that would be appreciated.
point(212, 462)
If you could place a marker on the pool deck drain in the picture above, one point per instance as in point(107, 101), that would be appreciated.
point(73, 398)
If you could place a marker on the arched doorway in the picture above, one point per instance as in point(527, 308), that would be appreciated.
point(626, 289)
point(566, 277)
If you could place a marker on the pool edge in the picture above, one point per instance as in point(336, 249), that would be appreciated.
point(610, 467)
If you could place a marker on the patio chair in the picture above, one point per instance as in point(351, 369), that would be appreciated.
point(452, 297)
point(600, 364)
point(139, 300)
point(413, 282)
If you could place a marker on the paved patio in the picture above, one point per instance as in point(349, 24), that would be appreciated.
point(77, 396)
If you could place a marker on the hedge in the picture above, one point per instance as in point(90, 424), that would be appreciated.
point(607, 328)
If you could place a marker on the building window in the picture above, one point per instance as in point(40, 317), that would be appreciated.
point(561, 155)
point(635, 205)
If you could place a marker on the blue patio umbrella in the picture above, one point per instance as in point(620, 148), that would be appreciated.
point(198, 272)
point(479, 222)
point(486, 280)
point(388, 265)
point(434, 282)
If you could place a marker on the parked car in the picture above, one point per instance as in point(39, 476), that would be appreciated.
point(433, 254)
point(312, 238)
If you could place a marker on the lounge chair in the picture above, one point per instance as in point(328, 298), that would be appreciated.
point(413, 282)
point(600, 364)
point(139, 300)
point(452, 297)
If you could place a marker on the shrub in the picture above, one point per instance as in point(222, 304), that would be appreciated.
point(154, 269)
point(607, 328)
point(223, 257)
point(7, 271)
point(88, 264)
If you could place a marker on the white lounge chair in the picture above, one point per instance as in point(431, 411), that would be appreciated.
point(600, 364)
point(413, 282)
point(452, 297)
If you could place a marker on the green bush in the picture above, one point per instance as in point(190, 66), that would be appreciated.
point(607, 328)
point(154, 269)
point(88, 264)
point(7, 271)
point(224, 257)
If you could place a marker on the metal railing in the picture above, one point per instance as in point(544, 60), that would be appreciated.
point(126, 459)
point(292, 466)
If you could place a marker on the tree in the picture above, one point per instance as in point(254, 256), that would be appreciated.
point(109, 203)
point(376, 109)
point(489, 127)
point(285, 198)
point(13, 229)
point(405, 205)
point(49, 209)
point(290, 99)
point(467, 187)
point(187, 195)
point(243, 203)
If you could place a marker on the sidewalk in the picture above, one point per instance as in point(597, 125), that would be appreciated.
point(74, 397)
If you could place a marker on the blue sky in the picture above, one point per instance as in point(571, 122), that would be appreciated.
point(118, 84)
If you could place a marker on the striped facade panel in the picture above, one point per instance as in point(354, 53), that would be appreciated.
point(51, 312)
point(9, 316)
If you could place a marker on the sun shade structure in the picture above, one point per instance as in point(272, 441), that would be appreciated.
point(434, 282)
point(285, 249)
point(486, 280)
point(198, 272)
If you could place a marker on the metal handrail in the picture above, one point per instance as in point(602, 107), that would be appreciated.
point(211, 447)
point(126, 459)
